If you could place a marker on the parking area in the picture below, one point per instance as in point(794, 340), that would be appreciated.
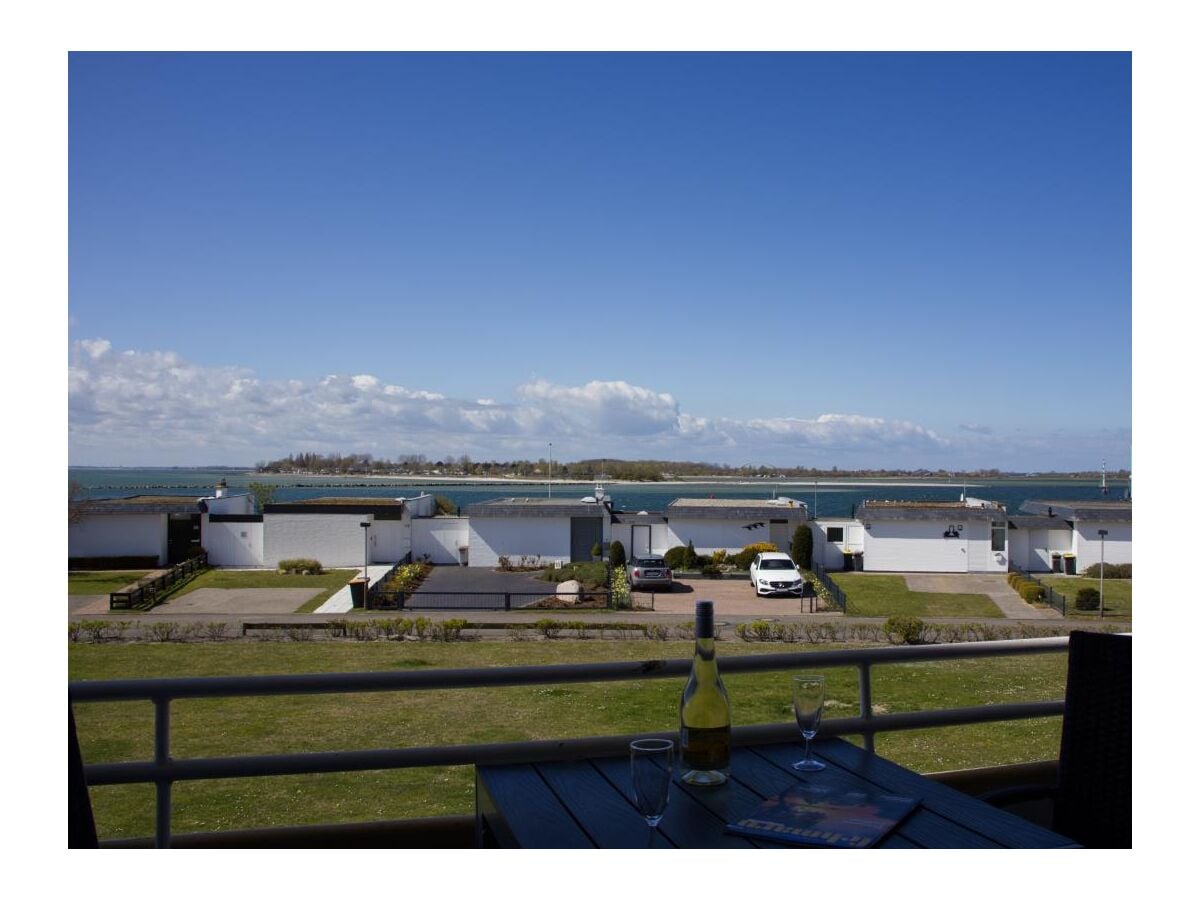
point(730, 597)
point(253, 601)
point(461, 587)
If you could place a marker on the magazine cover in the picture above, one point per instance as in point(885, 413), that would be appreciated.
point(825, 817)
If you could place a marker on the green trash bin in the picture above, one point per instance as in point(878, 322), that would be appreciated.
point(358, 592)
point(1056, 563)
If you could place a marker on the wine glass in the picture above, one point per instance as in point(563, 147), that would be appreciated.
point(651, 762)
point(808, 700)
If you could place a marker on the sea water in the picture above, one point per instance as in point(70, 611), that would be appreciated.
point(826, 498)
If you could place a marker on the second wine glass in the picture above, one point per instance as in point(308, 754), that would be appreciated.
point(808, 702)
point(651, 763)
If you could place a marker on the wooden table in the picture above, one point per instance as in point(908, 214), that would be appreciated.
point(589, 803)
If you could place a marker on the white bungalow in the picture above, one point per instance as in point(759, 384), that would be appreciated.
point(145, 529)
point(730, 524)
point(341, 531)
point(929, 536)
point(1049, 527)
point(549, 529)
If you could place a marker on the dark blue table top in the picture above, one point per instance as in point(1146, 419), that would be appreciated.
point(589, 803)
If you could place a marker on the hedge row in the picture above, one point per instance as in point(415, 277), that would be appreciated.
point(1111, 570)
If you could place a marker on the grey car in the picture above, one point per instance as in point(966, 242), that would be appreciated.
point(648, 571)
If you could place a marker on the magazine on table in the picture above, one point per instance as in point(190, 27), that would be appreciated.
point(825, 817)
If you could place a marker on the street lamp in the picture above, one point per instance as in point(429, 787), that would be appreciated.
point(1103, 534)
point(366, 551)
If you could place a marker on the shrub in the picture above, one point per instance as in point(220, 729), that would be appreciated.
point(74, 631)
point(711, 571)
point(215, 631)
point(656, 632)
point(1031, 592)
point(420, 627)
point(449, 630)
point(745, 556)
point(903, 629)
point(300, 567)
point(163, 631)
point(616, 554)
point(802, 544)
point(674, 557)
point(1087, 598)
point(549, 628)
point(620, 590)
point(1111, 570)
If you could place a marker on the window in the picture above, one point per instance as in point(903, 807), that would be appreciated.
point(999, 535)
point(835, 535)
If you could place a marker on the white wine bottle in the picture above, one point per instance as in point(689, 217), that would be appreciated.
point(704, 720)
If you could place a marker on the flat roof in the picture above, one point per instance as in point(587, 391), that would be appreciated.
point(724, 508)
point(380, 507)
point(535, 507)
point(925, 510)
point(142, 503)
point(1081, 510)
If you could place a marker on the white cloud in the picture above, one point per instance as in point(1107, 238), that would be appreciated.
point(156, 408)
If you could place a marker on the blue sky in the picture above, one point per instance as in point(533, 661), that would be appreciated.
point(897, 259)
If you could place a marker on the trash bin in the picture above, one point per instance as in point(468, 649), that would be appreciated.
point(358, 592)
point(847, 562)
point(1069, 563)
point(858, 561)
point(1056, 564)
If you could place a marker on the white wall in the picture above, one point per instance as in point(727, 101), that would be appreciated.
point(389, 540)
point(1118, 545)
point(440, 538)
point(829, 553)
point(891, 546)
point(233, 543)
point(708, 535)
point(493, 537)
point(334, 540)
point(143, 534)
point(235, 505)
point(660, 537)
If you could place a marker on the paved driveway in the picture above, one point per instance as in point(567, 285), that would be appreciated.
point(463, 587)
point(996, 587)
point(238, 600)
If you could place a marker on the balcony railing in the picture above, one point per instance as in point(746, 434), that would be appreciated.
point(163, 771)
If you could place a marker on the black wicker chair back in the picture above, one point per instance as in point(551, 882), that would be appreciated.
point(1094, 800)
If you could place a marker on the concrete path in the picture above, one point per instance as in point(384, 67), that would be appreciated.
point(994, 586)
point(341, 602)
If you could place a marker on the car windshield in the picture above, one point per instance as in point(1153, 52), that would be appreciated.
point(649, 561)
point(777, 564)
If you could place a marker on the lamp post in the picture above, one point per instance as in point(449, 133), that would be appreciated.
point(1103, 534)
point(366, 526)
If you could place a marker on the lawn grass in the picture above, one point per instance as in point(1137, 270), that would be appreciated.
point(101, 582)
point(1118, 594)
point(114, 732)
point(329, 582)
point(888, 595)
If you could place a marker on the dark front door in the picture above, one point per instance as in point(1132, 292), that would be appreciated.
point(585, 533)
point(183, 533)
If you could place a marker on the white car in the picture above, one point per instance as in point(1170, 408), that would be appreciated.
point(775, 575)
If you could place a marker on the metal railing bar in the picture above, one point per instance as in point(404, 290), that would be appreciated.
point(534, 751)
point(356, 682)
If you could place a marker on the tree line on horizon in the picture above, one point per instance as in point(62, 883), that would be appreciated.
point(417, 464)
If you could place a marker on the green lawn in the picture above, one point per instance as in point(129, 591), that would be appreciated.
point(329, 582)
point(101, 582)
point(124, 731)
point(1118, 594)
point(888, 595)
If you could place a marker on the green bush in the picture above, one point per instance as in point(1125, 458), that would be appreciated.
point(689, 557)
point(674, 557)
point(1111, 570)
point(802, 544)
point(616, 554)
point(903, 629)
point(1087, 598)
point(711, 571)
point(300, 567)
point(1031, 592)
point(745, 556)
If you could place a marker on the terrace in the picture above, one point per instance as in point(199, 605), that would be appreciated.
point(164, 771)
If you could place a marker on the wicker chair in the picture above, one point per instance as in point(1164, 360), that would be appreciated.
point(1093, 798)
